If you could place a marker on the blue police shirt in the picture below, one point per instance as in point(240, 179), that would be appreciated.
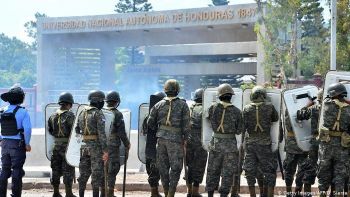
point(23, 121)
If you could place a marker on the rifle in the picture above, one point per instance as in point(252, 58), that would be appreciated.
point(105, 169)
point(185, 164)
point(125, 163)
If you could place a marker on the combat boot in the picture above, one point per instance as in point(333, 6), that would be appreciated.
point(95, 192)
point(56, 191)
point(289, 191)
point(189, 190)
point(171, 193)
point(307, 190)
point(3, 188)
point(110, 192)
point(234, 191)
point(297, 191)
point(210, 193)
point(323, 194)
point(223, 195)
point(82, 190)
point(270, 191)
point(195, 192)
point(252, 191)
point(69, 192)
point(155, 192)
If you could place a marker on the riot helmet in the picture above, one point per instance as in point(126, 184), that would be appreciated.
point(96, 98)
point(225, 92)
point(14, 96)
point(65, 97)
point(337, 90)
point(161, 95)
point(112, 99)
point(171, 87)
point(198, 95)
point(258, 94)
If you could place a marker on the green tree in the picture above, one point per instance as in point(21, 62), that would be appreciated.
point(17, 62)
point(220, 2)
point(127, 6)
point(343, 35)
point(31, 29)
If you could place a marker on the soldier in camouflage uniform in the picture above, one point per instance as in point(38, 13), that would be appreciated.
point(295, 160)
point(334, 141)
point(117, 135)
point(312, 112)
point(60, 126)
point(151, 150)
point(258, 117)
point(91, 124)
point(196, 156)
point(226, 122)
point(171, 119)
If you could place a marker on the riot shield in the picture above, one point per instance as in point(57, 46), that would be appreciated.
point(275, 97)
point(209, 98)
point(294, 100)
point(49, 139)
point(334, 77)
point(142, 136)
point(75, 140)
point(127, 120)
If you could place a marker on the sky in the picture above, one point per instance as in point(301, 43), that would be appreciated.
point(14, 13)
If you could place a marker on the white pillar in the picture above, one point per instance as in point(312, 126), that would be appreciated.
point(333, 63)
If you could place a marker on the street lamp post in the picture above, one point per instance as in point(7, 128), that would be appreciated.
point(333, 63)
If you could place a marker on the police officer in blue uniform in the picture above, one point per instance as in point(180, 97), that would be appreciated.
point(15, 137)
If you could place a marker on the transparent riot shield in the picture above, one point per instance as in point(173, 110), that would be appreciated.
point(334, 77)
point(49, 139)
point(75, 140)
point(209, 98)
point(142, 136)
point(274, 96)
point(294, 100)
point(127, 120)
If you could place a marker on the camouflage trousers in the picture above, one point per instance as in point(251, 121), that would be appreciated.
point(60, 167)
point(153, 172)
point(332, 166)
point(294, 163)
point(260, 157)
point(196, 158)
point(113, 165)
point(91, 163)
point(170, 162)
point(224, 164)
point(310, 165)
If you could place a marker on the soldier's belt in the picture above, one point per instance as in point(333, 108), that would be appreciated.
point(61, 139)
point(89, 137)
point(224, 136)
point(169, 128)
point(335, 133)
point(290, 134)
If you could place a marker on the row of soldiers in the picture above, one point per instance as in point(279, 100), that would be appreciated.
point(174, 135)
point(178, 133)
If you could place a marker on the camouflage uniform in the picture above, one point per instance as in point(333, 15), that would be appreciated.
point(196, 156)
point(310, 165)
point(333, 157)
point(91, 123)
point(117, 135)
point(60, 126)
point(226, 121)
point(258, 155)
point(295, 157)
point(171, 119)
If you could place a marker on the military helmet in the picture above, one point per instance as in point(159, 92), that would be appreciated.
point(96, 96)
point(337, 89)
point(258, 92)
point(112, 96)
point(65, 97)
point(172, 86)
point(225, 88)
point(15, 94)
point(160, 94)
point(198, 94)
